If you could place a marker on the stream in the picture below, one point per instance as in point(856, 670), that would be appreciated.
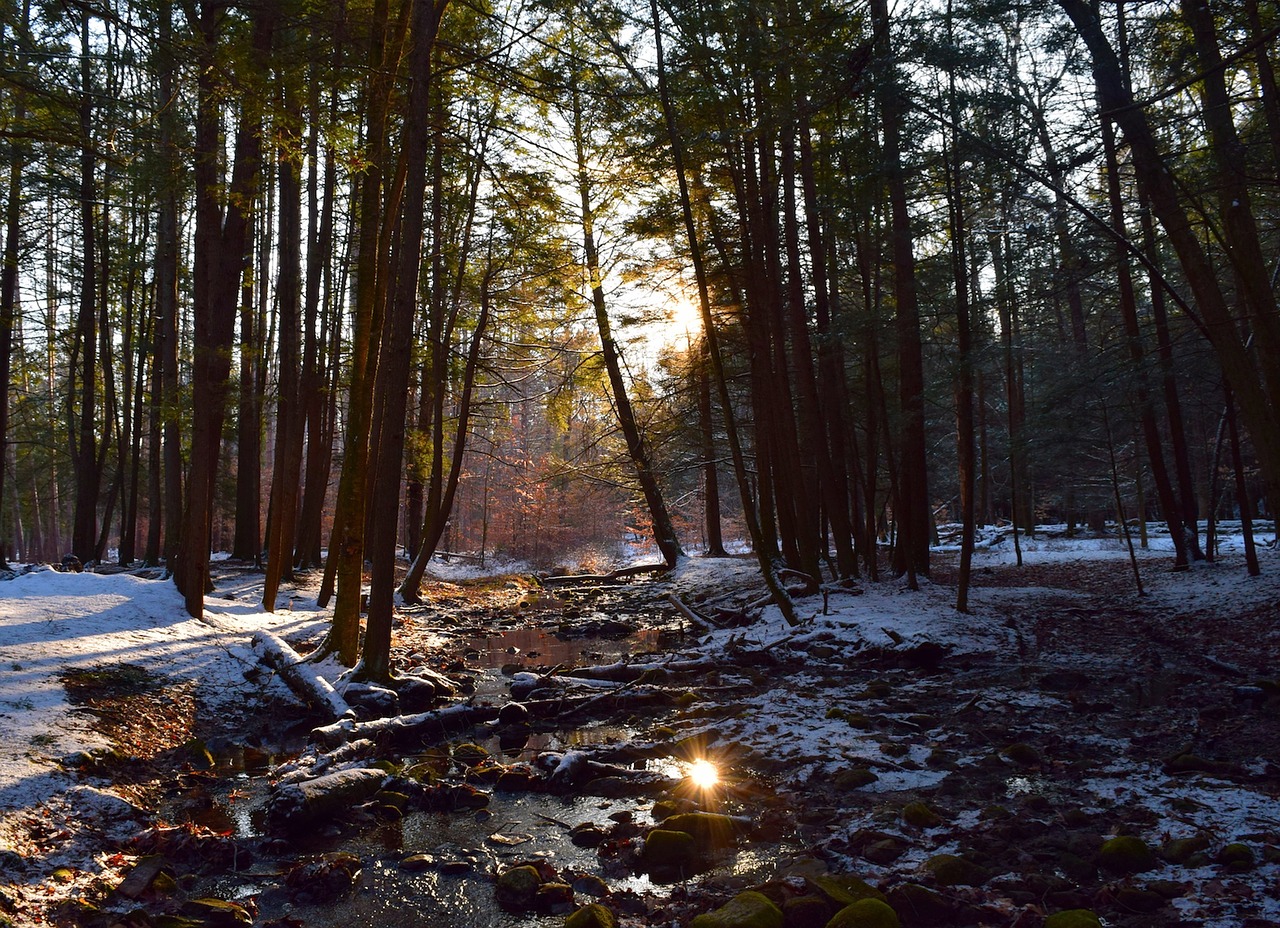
point(442, 864)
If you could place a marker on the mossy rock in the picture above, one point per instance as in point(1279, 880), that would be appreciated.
point(665, 847)
point(1073, 918)
point(866, 913)
point(854, 778)
point(710, 830)
point(216, 913)
point(844, 889)
point(806, 912)
point(1180, 850)
point(1022, 754)
point(663, 809)
point(591, 916)
point(919, 815)
point(920, 907)
point(1237, 857)
point(470, 754)
point(1133, 899)
point(1126, 854)
point(517, 888)
point(885, 851)
point(745, 910)
point(950, 870)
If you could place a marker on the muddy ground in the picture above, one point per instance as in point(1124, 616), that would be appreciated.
point(969, 784)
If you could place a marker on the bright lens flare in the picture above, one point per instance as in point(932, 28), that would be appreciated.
point(704, 774)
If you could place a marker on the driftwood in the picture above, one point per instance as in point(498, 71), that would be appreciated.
point(302, 677)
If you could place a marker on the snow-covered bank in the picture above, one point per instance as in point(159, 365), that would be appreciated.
point(52, 622)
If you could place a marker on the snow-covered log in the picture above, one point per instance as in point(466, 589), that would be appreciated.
point(301, 676)
point(298, 804)
point(406, 729)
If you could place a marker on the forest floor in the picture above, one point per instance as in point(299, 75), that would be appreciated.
point(974, 768)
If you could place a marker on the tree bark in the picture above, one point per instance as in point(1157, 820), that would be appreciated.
point(220, 249)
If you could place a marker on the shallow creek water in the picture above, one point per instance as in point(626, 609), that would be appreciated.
point(471, 846)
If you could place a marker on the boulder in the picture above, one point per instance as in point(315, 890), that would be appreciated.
point(591, 916)
point(745, 910)
point(866, 913)
point(1126, 854)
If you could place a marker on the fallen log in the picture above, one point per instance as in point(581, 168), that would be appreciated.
point(402, 729)
point(628, 672)
point(302, 677)
point(616, 576)
point(297, 804)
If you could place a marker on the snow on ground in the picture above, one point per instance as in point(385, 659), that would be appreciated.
point(52, 622)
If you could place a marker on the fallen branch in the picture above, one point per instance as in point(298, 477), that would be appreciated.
point(688, 612)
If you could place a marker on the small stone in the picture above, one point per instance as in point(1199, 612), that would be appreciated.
point(588, 834)
point(470, 754)
point(554, 898)
point(1073, 918)
point(417, 863)
point(806, 912)
point(1133, 899)
point(885, 851)
point(664, 847)
point(1126, 854)
point(866, 913)
point(745, 910)
point(920, 907)
point(513, 713)
point(1180, 850)
point(591, 916)
point(854, 778)
point(1237, 857)
point(1022, 754)
point(591, 885)
point(844, 889)
point(950, 870)
point(919, 815)
point(711, 830)
point(518, 887)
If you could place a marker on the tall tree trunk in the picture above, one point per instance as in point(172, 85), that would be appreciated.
point(964, 347)
point(663, 530)
point(247, 542)
point(290, 417)
point(911, 506)
point(706, 430)
point(84, 536)
point(763, 558)
point(221, 239)
point(396, 351)
point(167, 402)
point(1129, 311)
point(9, 291)
point(319, 294)
point(345, 564)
